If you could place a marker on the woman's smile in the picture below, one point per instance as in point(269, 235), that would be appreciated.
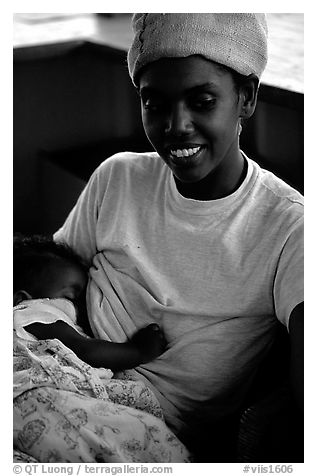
point(186, 156)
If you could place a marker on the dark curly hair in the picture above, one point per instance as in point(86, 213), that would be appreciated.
point(34, 253)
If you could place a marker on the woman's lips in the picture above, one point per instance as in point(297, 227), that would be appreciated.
point(185, 152)
point(185, 156)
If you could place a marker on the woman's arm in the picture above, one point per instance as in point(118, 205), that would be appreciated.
point(296, 332)
point(147, 344)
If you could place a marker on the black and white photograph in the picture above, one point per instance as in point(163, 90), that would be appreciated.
point(158, 253)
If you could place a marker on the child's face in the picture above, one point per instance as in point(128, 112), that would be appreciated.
point(62, 280)
point(190, 112)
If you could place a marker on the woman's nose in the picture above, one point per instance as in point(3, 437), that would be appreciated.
point(179, 121)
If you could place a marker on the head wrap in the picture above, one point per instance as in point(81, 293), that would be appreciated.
point(236, 40)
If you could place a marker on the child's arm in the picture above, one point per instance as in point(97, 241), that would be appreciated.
point(146, 344)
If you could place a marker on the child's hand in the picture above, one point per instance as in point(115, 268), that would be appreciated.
point(150, 342)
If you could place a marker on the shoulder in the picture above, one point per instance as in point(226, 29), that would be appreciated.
point(36, 316)
point(274, 196)
point(45, 311)
point(131, 162)
point(129, 170)
point(280, 189)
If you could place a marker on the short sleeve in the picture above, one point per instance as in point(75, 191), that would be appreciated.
point(79, 229)
point(45, 311)
point(289, 281)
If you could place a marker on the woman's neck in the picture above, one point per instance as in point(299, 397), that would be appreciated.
point(215, 185)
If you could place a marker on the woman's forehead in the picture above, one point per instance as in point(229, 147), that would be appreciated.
point(182, 73)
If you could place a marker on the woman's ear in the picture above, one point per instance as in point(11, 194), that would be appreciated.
point(20, 296)
point(248, 96)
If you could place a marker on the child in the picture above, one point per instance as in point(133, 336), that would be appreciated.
point(45, 274)
point(65, 410)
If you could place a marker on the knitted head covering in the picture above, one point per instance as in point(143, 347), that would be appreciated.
point(236, 40)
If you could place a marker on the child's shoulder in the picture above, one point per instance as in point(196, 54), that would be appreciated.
point(45, 311)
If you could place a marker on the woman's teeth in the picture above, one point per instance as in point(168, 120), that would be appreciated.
point(185, 152)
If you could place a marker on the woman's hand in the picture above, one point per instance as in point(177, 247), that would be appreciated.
point(150, 342)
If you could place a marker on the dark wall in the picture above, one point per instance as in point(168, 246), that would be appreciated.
point(274, 137)
point(75, 107)
point(63, 102)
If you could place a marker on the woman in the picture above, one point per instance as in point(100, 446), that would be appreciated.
point(195, 236)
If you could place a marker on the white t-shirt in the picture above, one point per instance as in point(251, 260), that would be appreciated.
point(214, 274)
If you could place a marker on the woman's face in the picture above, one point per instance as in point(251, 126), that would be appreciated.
point(190, 113)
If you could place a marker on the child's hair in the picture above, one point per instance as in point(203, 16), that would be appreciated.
point(33, 254)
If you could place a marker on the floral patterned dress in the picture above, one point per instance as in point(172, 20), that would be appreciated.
point(67, 411)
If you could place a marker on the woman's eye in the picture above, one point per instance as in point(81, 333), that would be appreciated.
point(203, 102)
point(152, 105)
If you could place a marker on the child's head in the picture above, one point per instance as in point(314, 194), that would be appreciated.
point(45, 269)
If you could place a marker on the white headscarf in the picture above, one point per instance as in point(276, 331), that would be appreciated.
point(236, 40)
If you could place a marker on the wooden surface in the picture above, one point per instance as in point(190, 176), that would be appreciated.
point(43, 34)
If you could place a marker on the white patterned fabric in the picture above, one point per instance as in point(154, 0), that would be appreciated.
point(67, 411)
point(54, 425)
point(46, 311)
